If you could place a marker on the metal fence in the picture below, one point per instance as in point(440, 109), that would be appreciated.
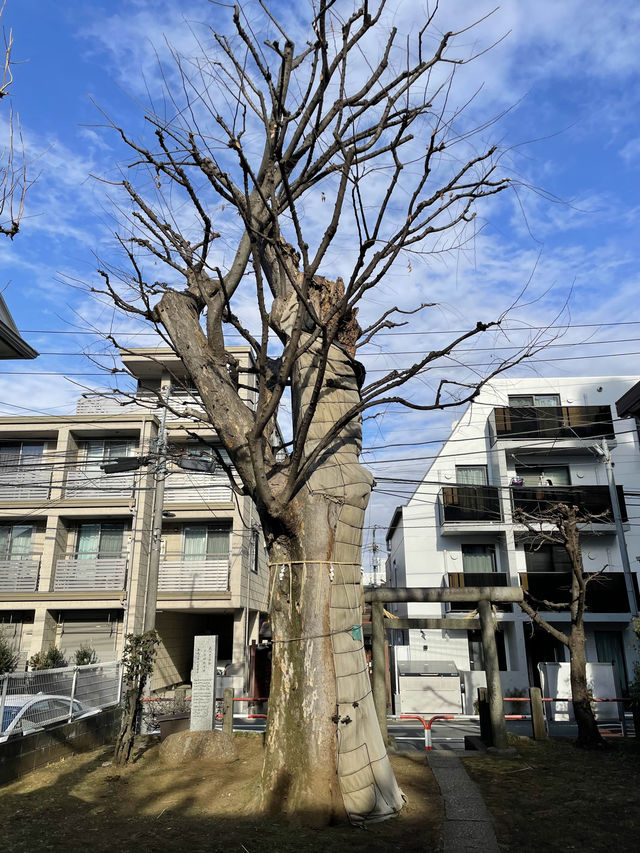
point(30, 700)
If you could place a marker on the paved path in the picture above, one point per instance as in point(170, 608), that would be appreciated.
point(468, 827)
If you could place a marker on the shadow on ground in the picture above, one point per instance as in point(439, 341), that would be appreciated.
point(85, 803)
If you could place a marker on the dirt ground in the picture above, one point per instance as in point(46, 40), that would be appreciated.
point(84, 803)
point(555, 798)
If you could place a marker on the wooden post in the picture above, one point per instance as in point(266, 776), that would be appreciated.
point(227, 711)
point(537, 714)
point(378, 666)
point(180, 698)
point(485, 720)
point(252, 669)
point(492, 669)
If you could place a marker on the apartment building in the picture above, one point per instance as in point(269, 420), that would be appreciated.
point(524, 443)
point(76, 543)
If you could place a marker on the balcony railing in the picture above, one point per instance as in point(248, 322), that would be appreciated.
point(605, 594)
point(192, 487)
point(92, 483)
point(590, 500)
point(90, 573)
point(470, 503)
point(179, 574)
point(23, 484)
point(98, 404)
point(464, 579)
point(19, 575)
point(552, 422)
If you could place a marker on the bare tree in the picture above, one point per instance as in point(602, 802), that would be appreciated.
point(13, 178)
point(558, 524)
point(269, 137)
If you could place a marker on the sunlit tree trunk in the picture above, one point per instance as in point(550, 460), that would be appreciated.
point(324, 747)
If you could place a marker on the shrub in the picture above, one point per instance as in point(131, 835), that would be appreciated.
point(85, 655)
point(51, 659)
point(8, 657)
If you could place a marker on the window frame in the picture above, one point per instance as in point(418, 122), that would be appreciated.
point(533, 404)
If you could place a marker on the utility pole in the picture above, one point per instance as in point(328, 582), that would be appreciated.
point(622, 542)
point(160, 475)
point(374, 556)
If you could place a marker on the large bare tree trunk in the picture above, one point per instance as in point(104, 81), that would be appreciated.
point(325, 752)
point(589, 736)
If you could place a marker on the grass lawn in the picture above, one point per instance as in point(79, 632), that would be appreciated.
point(554, 797)
point(84, 803)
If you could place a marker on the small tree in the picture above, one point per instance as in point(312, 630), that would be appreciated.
point(52, 658)
point(137, 660)
point(557, 524)
point(8, 656)
point(85, 655)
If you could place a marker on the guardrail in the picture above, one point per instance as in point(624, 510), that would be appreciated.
point(427, 725)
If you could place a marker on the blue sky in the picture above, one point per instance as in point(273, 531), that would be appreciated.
point(566, 73)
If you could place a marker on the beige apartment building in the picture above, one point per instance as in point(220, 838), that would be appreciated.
point(76, 543)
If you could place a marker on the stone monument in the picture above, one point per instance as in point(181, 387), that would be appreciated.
point(203, 684)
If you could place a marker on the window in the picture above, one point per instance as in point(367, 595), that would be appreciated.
point(610, 649)
point(478, 559)
point(94, 453)
point(476, 653)
point(547, 558)
point(206, 542)
point(21, 453)
point(102, 540)
point(472, 475)
point(538, 400)
point(535, 475)
point(15, 541)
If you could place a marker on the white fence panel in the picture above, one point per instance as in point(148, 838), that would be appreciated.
point(23, 484)
point(19, 575)
point(90, 574)
point(89, 483)
point(192, 575)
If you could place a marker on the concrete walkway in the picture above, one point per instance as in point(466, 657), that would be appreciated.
point(467, 827)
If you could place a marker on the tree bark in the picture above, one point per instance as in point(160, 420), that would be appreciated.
point(589, 736)
point(325, 752)
point(126, 736)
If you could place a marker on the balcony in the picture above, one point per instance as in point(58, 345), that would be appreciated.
point(606, 594)
point(90, 483)
point(592, 500)
point(458, 580)
point(470, 503)
point(189, 487)
point(90, 573)
point(551, 422)
point(19, 575)
point(19, 483)
point(181, 574)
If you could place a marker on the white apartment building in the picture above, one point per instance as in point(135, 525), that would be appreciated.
point(75, 542)
point(522, 443)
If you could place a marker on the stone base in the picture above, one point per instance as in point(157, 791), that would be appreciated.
point(193, 746)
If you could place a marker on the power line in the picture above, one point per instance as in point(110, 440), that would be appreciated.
point(524, 328)
point(424, 370)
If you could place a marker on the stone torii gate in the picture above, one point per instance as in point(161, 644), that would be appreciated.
point(482, 596)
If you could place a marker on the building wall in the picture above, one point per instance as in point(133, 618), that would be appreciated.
point(425, 552)
point(48, 503)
